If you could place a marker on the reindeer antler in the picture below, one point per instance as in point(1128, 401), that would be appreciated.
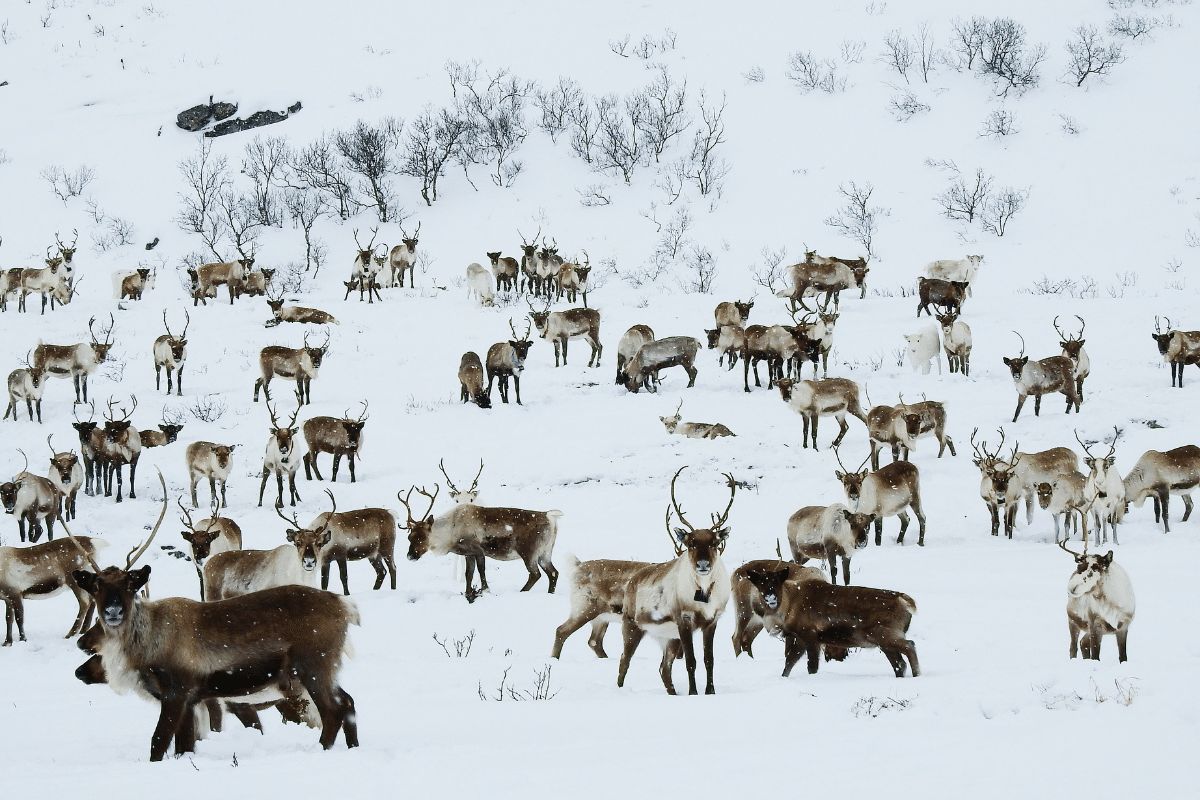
point(1069, 551)
point(187, 321)
point(292, 521)
point(186, 519)
point(167, 325)
point(450, 483)
point(136, 553)
point(675, 505)
point(1022, 338)
point(91, 416)
point(1086, 449)
point(718, 520)
point(62, 521)
point(678, 408)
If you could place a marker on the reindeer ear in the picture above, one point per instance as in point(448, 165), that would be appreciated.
point(681, 535)
point(188, 536)
point(1081, 342)
point(846, 513)
point(1107, 559)
point(865, 472)
point(326, 538)
point(291, 535)
point(1008, 361)
point(139, 577)
point(837, 473)
point(723, 534)
point(85, 580)
point(1110, 460)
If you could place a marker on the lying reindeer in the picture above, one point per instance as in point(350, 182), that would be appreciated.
point(694, 430)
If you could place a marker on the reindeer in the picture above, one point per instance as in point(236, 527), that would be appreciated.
point(571, 278)
point(90, 446)
point(694, 430)
point(10, 282)
point(999, 482)
point(298, 314)
point(733, 312)
point(597, 597)
point(858, 266)
point(26, 383)
point(1104, 489)
point(224, 273)
point(549, 263)
point(255, 283)
point(33, 500)
point(75, 360)
point(365, 272)
point(121, 445)
point(775, 344)
point(504, 534)
point(301, 364)
point(927, 416)
point(947, 295)
point(1072, 348)
point(956, 339)
point(470, 379)
point(481, 284)
point(66, 252)
point(815, 613)
point(338, 437)
point(66, 475)
point(642, 371)
point(886, 492)
point(560, 326)
point(1158, 475)
point(1045, 466)
point(631, 342)
point(199, 293)
point(922, 347)
point(368, 533)
point(1177, 348)
point(131, 284)
point(170, 351)
point(1100, 601)
point(1064, 499)
point(832, 279)
point(280, 456)
point(828, 532)
point(671, 600)
point(955, 269)
point(505, 269)
point(728, 341)
point(507, 360)
point(167, 433)
point(814, 399)
point(48, 281)
point(530, 281)
point(1047, 376)
point(819, 330)
point(44, 570)
point(403, 258)
point(212, 461)
point(886, 427)
point(208, 537)
point(751, 612)
point(193, 651)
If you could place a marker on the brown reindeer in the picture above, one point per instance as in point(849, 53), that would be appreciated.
point(300, 314)
point(255, 283)
point(886, 492)
point(597, 595)
point(1160, 474)
point(76, 361)
point(28, 384)
point(1072, 348)
point(948, 295)
point(1177, 348)
point(121, 446)
point(670, 601)
point(470, 379)
point(927, 416)
point(212, 461)
point(301, 364)
point(170, 351)
point(559, 327)
point(280, 456)
point(403, 258)
point(631, 342)
point(338, 437)
point(814, 399)
point(225, 273)
point(507, 360)
point(956, 339)
point(368, 533)
point(89, 448)
point(751, 613)
point(33, 500)
point(1000, 483)
point(1047, 376)
point(66, 475)
point(505, 269)
point(530, 281)
point(208, 537)
point(41, 570)
point(193, 651)
point(134, 284)
point(167, 433)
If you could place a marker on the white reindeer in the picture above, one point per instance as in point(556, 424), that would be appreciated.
point(922, 347)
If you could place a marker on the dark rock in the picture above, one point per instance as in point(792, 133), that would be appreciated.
point(152, 245)
point(194, 118)
point(222, 110)
point(292, 109)
point(255, 120)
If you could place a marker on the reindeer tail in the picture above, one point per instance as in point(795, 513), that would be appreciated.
point(908, 601)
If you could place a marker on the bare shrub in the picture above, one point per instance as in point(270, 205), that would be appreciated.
point(584, 121)
point(494, 106)
point(208, 408)
point(899, 53)
point(1133, 26)
point(852, 50)
point(1089, 54)
point(539, 688)
point(666, 115)
point(810, 73)
point(755, 74)
point(906, 105)
point(290, 278)
point(371, 153)
point(1007, 55)
point(594, 195)
point(858, 220)
point(305, 208)
point(264, 162)
point(456, 648)
point(68, 183)
point(1001, 207)
point(701, 269)
point(238, 220)
point(620, 46)
point(704, 165)
point(927, 53)
point(116, 232)
point(967, 41)
point(319, 167)
point(1083, 288)
point(556, 105)
point(619, 141)
point(434, 139)
point(1068, 125)
point(998, 124)
point(964, 200)
point(205, 176)
point(770, 272)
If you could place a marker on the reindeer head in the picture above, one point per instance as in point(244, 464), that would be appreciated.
point(1090, 570)
point(67, 252)
point(975, 260)
point(115, 430)
point(53, 262)
point(171, 430)
point(277, 305)
point(860, 526)
point(200, 540)
point(101, 349)
point(1163, 338)
point(353, 426)
point(769, 583)
point(1071, 344)
point(268, 275)
point(991, 465)
point(115, 589)
point(365, 253)
point(1016, 365)
point(582, 271)
point(316, 354)
point(143, 273)
point(410, 241)
point(37, 374)
point(1101, 466)
point(520, 346)
point(459, 496)
point(529, 248)
point(947, 321)
point(851, 480)
point(309, 541)
point(494, 258)
point(703, 546)
point(860, 275)
point(85, 428)
point(540, 318)
point(714, 335)
point(418, 529)
point(1045, 494)
point(8, 495)
point(285, 434)
point(61, 463)
point(743, 309)
point(177, 343)
point(672, 422)
point(785, 388)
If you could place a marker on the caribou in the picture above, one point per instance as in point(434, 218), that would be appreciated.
point(402, 258)
point(470, 380)
point(507, 360)
point(631, 342)
point(886, 492)
point(1158, 475)
point(1072, 348)
point(44, 570)
point(130, 284)
point(33, 500)
point(66, 475)
point(955, 269)
point(999, 482)
point(1046, 376)
point(170, 352)
point(208, 537)
point(120, 445)
point(956, 339)
point(365, 270)
point(1104, 489)
point(77, 361)
point(28, 384)
point(89, 447)
point(814, 399)
point(481, 284)
point(368, 533)
point(559, 327)
point(751, 612)
point(338, 437)
point(301, 363)
point(828, 532)
point(505, 270)
point(1177, 348)
point(694, 430)
point(1100, 602)
point(947, 295)
point(212, 461)
point(225, 273)
point(298, 314)
point(642, 371)
point(280, 456)
point(530, 281)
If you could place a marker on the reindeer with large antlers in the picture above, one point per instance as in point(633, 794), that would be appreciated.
point(121, 445)
point(364, 533)
point(280, 457)
point(1072, 348)
point(1104, 489)
point(365, 272)
point(670, 601)
point(66, 252)
point(549, 263)
point(1045, 376)
point(90, 447)
point(184, 652)
point(50, 281)
point(26, 383)
point(530, 281)
point(403, 257)
point(1177, 348)
point(339, 437)
point(170, 351)
point(999, 482)
point(507, 360)
point(76, 361)
point(66, 475)
point(300, 363)
point(1100, 602)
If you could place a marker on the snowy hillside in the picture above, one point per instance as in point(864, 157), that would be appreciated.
point(1104, 182)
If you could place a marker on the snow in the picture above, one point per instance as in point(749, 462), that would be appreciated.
point(999, 709)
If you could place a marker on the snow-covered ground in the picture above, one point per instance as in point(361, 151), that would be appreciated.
point(999, 709)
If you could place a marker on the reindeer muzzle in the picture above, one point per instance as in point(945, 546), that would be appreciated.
point(771, 600)
point(309, 563)
point(113, 616)
point(703, 567)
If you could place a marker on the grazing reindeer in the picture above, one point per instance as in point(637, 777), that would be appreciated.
point(167, 433)
point(814, 399)
point(694, 430)
point(1064, 499)
point(597, 595)
point(129, 285)
point(1072, 348)
point(631, 342)
point(474, 531)
point(338, 437)
point(670, 601)
point(33, 500)
point(1000, 484)
point(403, 258)
point(886, 492)
point(927, 416)
point(506, 270)
point(121, 445)
point(530, 281)
point(1159, 475)
point(301, 314)
point(75, 360)
point(170, 351)
point(225, 273)
point(1104, 489)
point(209, 537)
point(828, 532)
point(26, 383)
point(1046, 376)
point(211, 461)
point(642, 371)
point(301, 363)
point(751, 613)
point(815, 613)
point(280, 456)
point(44, 570)
point(955, 269)
point(66, 475)
point(1178, 348)
point(1099, 602)
point(956, 339)
point(470, 378)
point(948, 295)
point(365, 271)
point(368, 533)
point(90, 448)
point(481, 284)
point(560, 326)
point(507, 360)
point(188, 651)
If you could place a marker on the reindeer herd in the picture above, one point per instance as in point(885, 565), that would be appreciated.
point(197, 660)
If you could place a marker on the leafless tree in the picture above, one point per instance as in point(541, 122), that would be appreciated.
point(433, 140)
point(858, 220)
point(1089, 54)
point(967, 41)
point(619, 142)
point(755, 74)
point(906, 105)
point(320, 168)
point(593, 196)
point(584, 120)
point(494, 105)
point(1133, 26)
point(620, 46)
point(927, 52)
point(205, 176)
point(370, 152)
point(264, 162)
point(701, 269)
point(68, 183)
point(1001, 207)
point(998, 124)
point(305, 208)
point(1007, 55)
point(239, 220)
point(705, 166)
point(899, 52)
point(813, 74)
point(117, 232)
point(666, 115)
point(770, 272)
point(556, 105)
point(964, 201)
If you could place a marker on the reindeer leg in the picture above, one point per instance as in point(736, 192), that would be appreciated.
point(279, 484)
point(878, 531)
point(632, 636)
point(1020, 402)
point(380, 572)
point(843, 427)
point(671, 652)
point(804, 436)
point(813, 648)
point(173, 705)
point(341, 562)
point(534, 574)
point(709, 633)
point(1187, 507)
point(792, 649)
point(481, 563)
point(325, 574)
point(517, 383)
point(133, 476)
point(1122, 637)
point(316, 471)
point(292, 493)
point(157, 377)
point(1165, 499)
point(262, 488)
point(470, 582)
point(8, 620)
point(337, 460)
point(574, 623)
